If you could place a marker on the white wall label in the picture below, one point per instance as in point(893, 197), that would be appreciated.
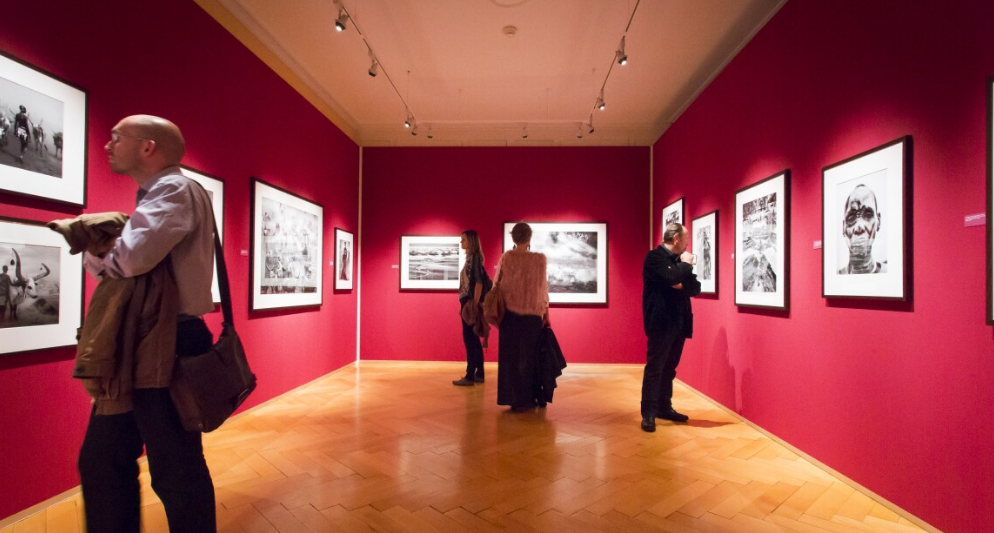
point(978, 219)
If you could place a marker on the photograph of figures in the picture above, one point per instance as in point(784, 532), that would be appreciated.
point(762, 243)
point(287, 237)
point(577, 259)
point(215, 189)
point(672, 213)
point(41, 288)
point(343, 260)
point(431, 262)
point(704, 244)
point(42, 134)
point(863, 223)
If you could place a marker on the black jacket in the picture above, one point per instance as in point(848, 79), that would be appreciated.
point(663, 307)
point(549, 364)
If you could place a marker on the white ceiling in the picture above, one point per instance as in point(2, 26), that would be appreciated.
point(458, 72)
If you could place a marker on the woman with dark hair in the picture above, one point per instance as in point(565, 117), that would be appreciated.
point(521, 276)
point(471, 284)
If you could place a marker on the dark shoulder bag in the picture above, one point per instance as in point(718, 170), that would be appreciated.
point(209, 387)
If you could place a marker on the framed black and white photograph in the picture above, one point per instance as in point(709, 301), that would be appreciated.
point(431, 262)
point(42, 134)
point(286, 250)
point(215, 189)
point(762, 243)
point(41, 288)
point(344, 260)
point(577, 259)
point(990, 201)
point(864, 216)
point(672, 213)
point(704, 244)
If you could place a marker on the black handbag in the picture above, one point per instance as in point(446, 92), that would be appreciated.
point(207, 388)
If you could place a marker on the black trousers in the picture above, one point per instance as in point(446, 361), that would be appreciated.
point(518, 382)
point(662, 356)
point(474, 351)
point(108, 469)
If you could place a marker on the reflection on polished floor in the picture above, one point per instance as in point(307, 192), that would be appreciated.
point(394, 447)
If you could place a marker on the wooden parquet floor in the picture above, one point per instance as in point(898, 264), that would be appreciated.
point(395, 448)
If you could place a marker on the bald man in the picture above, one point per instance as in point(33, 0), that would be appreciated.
point(172, 225)
point(859, 228)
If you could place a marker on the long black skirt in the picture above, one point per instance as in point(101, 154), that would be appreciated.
point(517, 372)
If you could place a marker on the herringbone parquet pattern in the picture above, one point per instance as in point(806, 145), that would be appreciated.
point(394, 448)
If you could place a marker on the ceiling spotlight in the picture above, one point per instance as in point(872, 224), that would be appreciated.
point(589, 128)
point(374, 69)
point(341, 20)
point(600, 103)
point(620, 56)
point(524, 132)
point(409, 121)
point(414, 130)
point(579, 131)
point(430, 134)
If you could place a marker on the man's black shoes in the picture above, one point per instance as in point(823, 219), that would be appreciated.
point(671, 415)
point(648, 424)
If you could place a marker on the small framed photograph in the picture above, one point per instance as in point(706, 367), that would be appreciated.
point(286, 249)
point(762, 243)
point(990, 201)
point(576, 254)
point(215, 189)
point(864, 220)
point(42, 134)
point(431, 262)
point(704, 244)
point(41, 301)
point(343, 260)
point(672, 213)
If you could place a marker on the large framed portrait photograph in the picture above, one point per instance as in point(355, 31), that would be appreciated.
point(431, 262)
point(672, 213)
point(704, 244)
point(286, 251)
point(42, 134)
point(344, 260)
point(576, 254)
point(215, 189)
point(42, 306)
point(864, 216)
point(762, 243)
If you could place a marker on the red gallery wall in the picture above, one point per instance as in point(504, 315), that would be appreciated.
point(443, 191)
point(168, 57)
point(896, 396)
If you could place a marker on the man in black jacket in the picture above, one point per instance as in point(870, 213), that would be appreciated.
point(669, 283)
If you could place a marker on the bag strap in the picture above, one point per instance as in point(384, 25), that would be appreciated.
point(222, 277)
point(222, 272)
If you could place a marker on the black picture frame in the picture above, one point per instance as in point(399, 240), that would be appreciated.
point(431, 262)
point(762, 243)
point(344, 260)
point(46, 288)
point(577, 272)
point(990, 201)
point(286, 250)
point(704, 242)
point(52, 165)
point(866, 213)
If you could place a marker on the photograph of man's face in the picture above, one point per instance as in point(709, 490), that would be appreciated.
point(861, 221)
point(865, 250)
